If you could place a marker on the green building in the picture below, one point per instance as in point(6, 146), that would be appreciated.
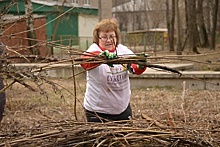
point(66, 24)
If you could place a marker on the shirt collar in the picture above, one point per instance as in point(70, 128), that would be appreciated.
point(105, 49)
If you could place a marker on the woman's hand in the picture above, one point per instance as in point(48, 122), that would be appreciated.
point(108, 54)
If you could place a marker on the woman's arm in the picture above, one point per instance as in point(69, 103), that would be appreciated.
point(87, 55)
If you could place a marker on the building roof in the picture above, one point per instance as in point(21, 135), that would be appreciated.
point(56, 3)
point(53, 6)
point(7, 19)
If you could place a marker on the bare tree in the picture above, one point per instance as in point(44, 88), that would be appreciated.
point(157, 9)
point(208, 14)
point(30, 28)
point(191, 25)
point(214, 21)
point(203, 35)
point(170, 15)
point(178, 44)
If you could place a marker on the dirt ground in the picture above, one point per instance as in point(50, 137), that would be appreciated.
point(29, 113)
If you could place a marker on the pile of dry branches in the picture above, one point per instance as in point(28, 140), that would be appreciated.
point(130, 133)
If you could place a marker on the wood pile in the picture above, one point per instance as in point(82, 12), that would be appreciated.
point(127, 133)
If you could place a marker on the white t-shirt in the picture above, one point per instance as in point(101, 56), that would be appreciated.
point(108, 88)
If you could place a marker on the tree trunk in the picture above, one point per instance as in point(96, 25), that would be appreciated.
point(203, 35)
point(178, 43)
point(213, 35)
point(191, 25)
point(170, 15)
point(209, 8)
point(30, 28)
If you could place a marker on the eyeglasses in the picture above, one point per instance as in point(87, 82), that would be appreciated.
point(105, 38)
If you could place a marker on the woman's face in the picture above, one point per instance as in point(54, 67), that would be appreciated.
point(107, 40)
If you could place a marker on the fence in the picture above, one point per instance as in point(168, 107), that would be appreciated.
point(146, 40)
point(74, 42)
point(138, 41)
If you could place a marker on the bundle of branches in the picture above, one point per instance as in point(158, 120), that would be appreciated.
point(34, 73)
point(126, 133)
point(75, 59)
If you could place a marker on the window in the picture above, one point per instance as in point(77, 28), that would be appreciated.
point(86, 2)
point(74, 1)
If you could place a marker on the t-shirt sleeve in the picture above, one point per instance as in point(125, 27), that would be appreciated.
point(88, 56)
point(133, 68)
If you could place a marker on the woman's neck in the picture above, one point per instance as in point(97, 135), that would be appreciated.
point(112, 50)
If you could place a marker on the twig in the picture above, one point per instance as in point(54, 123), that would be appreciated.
point(183, 100)
point(151, 119)
point(74, 86)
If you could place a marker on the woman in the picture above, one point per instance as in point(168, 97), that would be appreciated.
point(108, 92)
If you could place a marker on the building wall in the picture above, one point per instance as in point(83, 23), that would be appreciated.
point(19, 41)
point(63, 28)
point(86, 25)
point(139, 15)
point(105, 9)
